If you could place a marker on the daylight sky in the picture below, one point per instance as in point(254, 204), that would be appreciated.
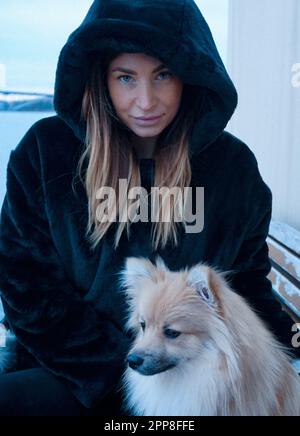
point(32, 33)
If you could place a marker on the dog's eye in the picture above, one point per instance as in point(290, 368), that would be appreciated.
point(171, 334)
point(205, 292)
point(143, 325)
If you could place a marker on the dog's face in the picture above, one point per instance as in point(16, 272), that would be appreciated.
point(172, 313)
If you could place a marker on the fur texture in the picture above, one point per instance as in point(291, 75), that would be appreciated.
point(223, 362)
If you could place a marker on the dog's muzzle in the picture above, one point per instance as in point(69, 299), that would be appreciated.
point(147, 364)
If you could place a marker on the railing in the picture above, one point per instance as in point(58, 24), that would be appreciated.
point(284, 253)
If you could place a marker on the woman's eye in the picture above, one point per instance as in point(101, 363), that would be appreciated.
point(121, 77)
point(171, 334)
point(166, 73)
point(143, 325)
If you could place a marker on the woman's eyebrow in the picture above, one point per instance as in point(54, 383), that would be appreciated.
point(125, 70)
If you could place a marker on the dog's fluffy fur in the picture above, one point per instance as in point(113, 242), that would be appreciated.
point(223, 362)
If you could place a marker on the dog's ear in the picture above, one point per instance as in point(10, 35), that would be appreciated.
point(198, 278)
point(135, 269)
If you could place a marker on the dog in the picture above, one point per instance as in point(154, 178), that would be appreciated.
point(199, 349)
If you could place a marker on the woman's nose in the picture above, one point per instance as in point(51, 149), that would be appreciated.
point(146, 97)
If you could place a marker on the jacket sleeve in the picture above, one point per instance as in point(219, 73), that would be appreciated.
point(84, 348)
point(253, 266)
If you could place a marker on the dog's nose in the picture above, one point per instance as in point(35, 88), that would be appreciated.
point(134, 360)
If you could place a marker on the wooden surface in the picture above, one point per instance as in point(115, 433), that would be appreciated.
point(284, 252)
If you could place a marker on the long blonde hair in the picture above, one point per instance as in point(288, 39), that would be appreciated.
point(111, 156)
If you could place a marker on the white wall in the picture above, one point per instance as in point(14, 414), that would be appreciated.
point(264, 45)
point(215, 13)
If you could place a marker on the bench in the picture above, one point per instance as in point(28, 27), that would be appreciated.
point(284, 252)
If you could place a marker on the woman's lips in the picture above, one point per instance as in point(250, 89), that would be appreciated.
point(147, 118)
point(148, 121)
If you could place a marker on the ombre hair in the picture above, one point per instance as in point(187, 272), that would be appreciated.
point(111, 156)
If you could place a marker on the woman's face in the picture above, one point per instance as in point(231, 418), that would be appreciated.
point(140, 86)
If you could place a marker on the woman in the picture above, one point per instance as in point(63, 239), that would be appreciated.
point(59, 257)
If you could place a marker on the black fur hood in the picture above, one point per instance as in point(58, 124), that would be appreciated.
point(171, 30)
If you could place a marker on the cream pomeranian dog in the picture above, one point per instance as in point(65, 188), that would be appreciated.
point(199, 349)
